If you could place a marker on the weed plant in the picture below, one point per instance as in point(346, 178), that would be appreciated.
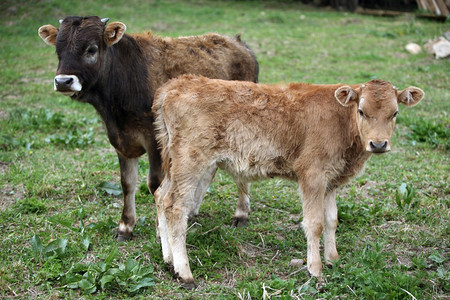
point(60, 196)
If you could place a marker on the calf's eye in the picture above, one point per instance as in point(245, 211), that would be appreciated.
point(361, 113)
point(395, 114)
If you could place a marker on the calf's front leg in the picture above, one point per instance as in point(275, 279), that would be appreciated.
point(128, 179)
point(313, 192)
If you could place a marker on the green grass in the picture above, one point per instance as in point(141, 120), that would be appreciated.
point(59, 175)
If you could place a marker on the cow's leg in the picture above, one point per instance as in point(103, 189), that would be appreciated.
point(161, 227)
point(128, 179)
point(313, 191)
point(155, 175)
point(329, 233)
point(240, 218)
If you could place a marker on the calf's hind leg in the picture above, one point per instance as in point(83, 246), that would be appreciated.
point(202, 187)
point(161, 227)
point(240, 218)
point(329, 233)
point(180, 201)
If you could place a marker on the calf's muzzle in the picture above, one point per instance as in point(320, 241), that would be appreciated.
point(379, 147)
point(67, 84)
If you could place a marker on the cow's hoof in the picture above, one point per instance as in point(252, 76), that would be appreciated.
point(239, 222)
point(123, 236)
point(189, 285)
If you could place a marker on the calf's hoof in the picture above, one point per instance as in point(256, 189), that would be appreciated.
point(315, 269)
point(329, 261)
point(188, 284)
point(239, 222)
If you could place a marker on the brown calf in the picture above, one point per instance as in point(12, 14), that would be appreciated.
point(317, 135)
point(119, 73)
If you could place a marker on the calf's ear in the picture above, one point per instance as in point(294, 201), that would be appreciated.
point(48, 34)
point(346, 96)
point(114, 32)
point(410, 96)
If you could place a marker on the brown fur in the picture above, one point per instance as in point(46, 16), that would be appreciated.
point(119, 73)
point(317, 135)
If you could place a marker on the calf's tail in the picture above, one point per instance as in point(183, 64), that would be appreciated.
point(162, 134)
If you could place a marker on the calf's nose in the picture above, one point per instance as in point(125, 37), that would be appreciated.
point(63, 83)
point(378, 147)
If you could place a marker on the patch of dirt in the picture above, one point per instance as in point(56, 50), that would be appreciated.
point(3, 115)
point(3, 166)
point(10, 194)
point(363, 190)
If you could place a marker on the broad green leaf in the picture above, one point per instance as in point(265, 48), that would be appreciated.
point(85, 284)
point(100, 267)
point(110, 188)
point(86, 242)
point(79, 268)
point(113, 254)
point(402, 188)
point(144, 271)
point(437, 258)
point(57, 246)
point(36, 245)
point(144, 282)
point(106, 279)
point(71, 280)
point(398, 199)
point(63, 221)
point(131, 265)
point(113, 271)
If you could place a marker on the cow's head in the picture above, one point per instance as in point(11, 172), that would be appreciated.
point(80, 44)
point(377, 109)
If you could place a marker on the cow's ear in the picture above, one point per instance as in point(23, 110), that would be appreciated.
point(114, 32)
point(48, 34)
point(410, 96)
point(346, 96)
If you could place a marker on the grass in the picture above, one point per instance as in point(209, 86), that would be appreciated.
point(59, 194)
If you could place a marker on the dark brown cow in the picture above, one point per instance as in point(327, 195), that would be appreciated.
point(119, 73)
point(317, 135)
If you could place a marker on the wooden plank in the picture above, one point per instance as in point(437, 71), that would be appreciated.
point(424, 4)
point(442, 7)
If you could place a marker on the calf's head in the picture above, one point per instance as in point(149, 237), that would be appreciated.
point(377, 109)
point(81, 43)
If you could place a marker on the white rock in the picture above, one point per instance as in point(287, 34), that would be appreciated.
point(413, 48)
point(441, 48)
point(296, 262)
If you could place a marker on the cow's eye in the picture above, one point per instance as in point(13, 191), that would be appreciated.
point(92, 50)
point(395, 114)
point(361, 113)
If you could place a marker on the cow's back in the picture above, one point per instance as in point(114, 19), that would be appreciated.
point(210, 55)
